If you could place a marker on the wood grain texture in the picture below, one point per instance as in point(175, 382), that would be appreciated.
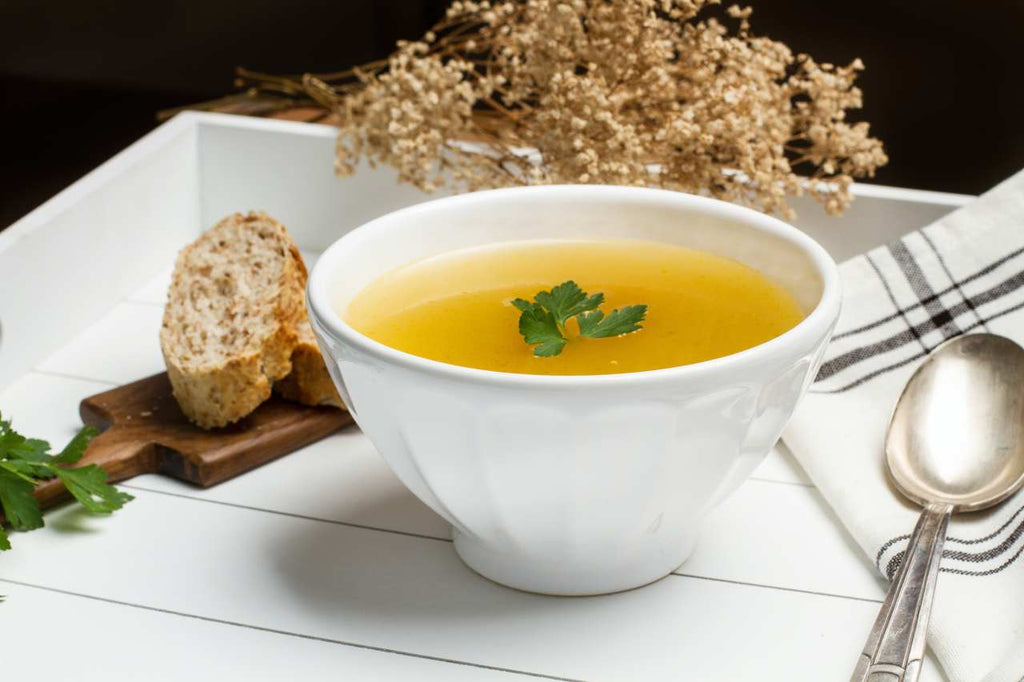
point(144, 431)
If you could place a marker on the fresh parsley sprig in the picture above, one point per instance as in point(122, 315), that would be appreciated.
point(542, 321)
point(26, 461)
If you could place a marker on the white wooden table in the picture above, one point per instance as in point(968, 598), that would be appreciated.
point(321, 565)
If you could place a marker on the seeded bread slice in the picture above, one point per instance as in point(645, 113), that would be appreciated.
point(232, 319)
point(309, 383)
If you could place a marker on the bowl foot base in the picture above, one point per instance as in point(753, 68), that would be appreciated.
point(569, 577)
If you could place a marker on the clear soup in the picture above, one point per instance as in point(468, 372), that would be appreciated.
point(457, 307)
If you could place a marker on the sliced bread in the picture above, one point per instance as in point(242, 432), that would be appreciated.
point(234, 312)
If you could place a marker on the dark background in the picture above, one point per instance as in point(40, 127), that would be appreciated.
point(81, 79)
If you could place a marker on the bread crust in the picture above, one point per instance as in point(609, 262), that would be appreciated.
point(309, 382)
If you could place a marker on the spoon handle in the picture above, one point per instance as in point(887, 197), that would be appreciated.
point(895, 646)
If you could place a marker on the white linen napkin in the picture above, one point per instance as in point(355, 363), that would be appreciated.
point(962, 274)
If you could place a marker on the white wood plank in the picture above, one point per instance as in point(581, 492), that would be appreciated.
point(121, 347)
point(103, 641)
point(154, 292)
point(46, 406)
point(413, 595)
point(341, 479)
point(785, 536)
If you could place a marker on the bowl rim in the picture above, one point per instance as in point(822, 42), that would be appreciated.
point(814, 327)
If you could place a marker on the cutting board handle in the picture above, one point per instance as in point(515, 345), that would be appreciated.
point(120, 450)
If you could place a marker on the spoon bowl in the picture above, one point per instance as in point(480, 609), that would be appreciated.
point(956, 437)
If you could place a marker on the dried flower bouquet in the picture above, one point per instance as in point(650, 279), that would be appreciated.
point(637, 92)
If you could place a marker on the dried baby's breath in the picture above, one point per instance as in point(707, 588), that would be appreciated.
point(631, 92)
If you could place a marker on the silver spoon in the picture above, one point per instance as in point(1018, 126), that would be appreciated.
point(955, 444)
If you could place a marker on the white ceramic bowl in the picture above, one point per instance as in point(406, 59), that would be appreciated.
point(573, 485)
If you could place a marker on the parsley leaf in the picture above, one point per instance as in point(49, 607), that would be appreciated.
point(20, 508)
point(542, 321)
point(567, 300)
point(539, 326)
point(595, 325)
point(25, 461)
point(74, 450)
point(89, 486)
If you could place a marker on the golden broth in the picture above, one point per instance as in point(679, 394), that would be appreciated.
point(456, 308)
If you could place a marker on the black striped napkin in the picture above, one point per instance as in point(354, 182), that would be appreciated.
point(964, 273)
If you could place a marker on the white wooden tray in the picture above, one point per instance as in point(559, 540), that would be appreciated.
point(321, 565)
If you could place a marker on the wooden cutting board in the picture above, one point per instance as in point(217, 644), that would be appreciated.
point(144, 431)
